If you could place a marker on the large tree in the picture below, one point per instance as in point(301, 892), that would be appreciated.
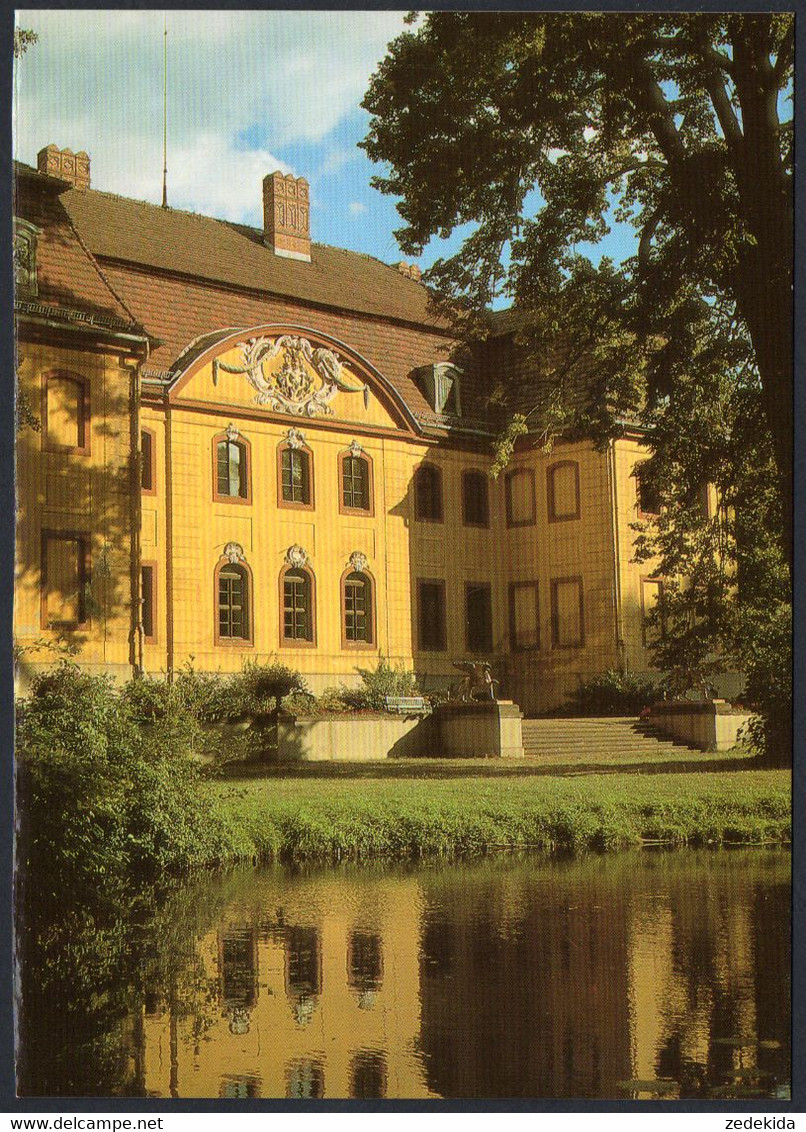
point(535, 128)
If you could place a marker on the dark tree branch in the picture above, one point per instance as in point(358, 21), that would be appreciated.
point(786, 54)
point(724, 112)
point(647, 232)
point(650, 99)
point(708, 52)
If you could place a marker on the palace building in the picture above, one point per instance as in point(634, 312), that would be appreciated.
point(250, 445)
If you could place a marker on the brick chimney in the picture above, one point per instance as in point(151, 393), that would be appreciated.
point(74, 168)
point(410, 270)
point(287, 216)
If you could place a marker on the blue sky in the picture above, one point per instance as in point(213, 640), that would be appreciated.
point(249, 92)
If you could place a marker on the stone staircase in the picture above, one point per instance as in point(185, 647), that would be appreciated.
point(604, 738)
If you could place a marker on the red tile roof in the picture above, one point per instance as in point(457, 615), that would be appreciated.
point(69, 280)
point(182, 276)
point(185, 243)
point(177, 311)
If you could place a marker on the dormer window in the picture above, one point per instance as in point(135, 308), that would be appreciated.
point(440, 384)
point(25, 236)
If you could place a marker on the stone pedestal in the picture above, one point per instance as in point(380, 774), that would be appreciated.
point(484, 729)
point(711, 725)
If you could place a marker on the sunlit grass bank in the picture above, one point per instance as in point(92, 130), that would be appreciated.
point(327, 818)
point(116, 787)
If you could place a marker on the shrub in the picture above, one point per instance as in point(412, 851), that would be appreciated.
point(378, 683)
point(257, 689)
point(197, 708)
point(301, 703)
point(102, 798)
point(202, 694)
point(613, 693)
point(768, 666)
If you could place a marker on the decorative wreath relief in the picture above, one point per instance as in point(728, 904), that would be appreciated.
point(233, 552)
point(297, 557)
point(358, 561)
point(295, 438)
point(231, 433)
point(355, 449)
point(305, 384)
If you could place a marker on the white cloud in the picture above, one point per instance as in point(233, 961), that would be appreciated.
point(94, 81)
point(356, 208)
point(335, 159)
point(208, 176)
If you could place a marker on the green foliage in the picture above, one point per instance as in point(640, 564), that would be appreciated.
point(428, 813)
point(505, 442)
point(765, 637)
point(55, 647)
point(219, 718)
point(101, 798)
point(636, 117)
point(258, 687)
point(642, 118)
point(23, 39)
point(378, 683)
point(300, 703)
point(90, 964)
point(731, 607)
point(613, 693)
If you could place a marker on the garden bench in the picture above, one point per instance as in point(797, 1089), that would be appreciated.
point(407, 705)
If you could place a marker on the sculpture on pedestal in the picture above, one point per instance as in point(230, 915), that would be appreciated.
point(477, 683)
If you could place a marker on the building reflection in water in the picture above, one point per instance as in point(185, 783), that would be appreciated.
point(239, 1087)
point(316, 998)
point(368, 1075)
point(710, 983)
point(305, 1079)
point(638, 975)
point(303, 971)
point(365, 966)
point(238, 976)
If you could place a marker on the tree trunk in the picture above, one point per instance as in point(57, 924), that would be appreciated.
point(767, 311)
point(763, 281)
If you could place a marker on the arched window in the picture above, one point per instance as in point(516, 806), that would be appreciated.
point(298, 626)
point(294, 476)
point(357, 610)
point(519, 489)
point(428, 494)
point(563, 491)
point(233, 585)
point(355, 475)
point(66, 413)
point(231, 473)
point(475, 499)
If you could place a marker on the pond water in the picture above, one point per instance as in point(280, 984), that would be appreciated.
point(637, 975)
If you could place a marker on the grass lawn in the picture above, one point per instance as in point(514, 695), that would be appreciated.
point(410, 808)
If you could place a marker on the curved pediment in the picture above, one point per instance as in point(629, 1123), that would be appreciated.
point(288, 370)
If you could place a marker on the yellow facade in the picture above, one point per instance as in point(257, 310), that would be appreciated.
point(558, 543)
point(67, 497)
point(134, 553)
